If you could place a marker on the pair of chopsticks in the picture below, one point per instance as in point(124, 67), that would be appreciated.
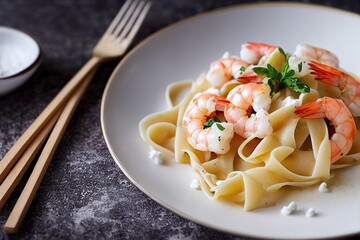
point(49, 136)
point(49, 127)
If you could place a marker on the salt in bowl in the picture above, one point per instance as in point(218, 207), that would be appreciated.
point(20, 56)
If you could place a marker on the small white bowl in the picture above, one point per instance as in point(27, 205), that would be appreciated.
point(20, 56)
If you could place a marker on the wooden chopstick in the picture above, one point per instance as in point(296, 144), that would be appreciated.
point(23, 203)
point(60, 99)
point(17, 172)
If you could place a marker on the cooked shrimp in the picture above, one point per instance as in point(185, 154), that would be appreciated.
point(245, 100)
point(310, 53)
point(215, 138)
point(349, 86)
point(252, 52)
point(223, 70)
point(339, 116)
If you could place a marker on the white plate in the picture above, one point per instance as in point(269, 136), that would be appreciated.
point(186, 49)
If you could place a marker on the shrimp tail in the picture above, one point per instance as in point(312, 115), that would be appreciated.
point(310, 110)
point(327, 74)
point(261, 48)
point(250, 77)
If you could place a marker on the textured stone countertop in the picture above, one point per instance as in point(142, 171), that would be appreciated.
point(84, 195)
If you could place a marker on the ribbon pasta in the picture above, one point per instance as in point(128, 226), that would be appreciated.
point(297, 153)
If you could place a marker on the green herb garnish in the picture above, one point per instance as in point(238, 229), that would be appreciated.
point(242, 69)
point(296, 85)
point(300, 66)
point(220, 127)
point(284, 78)
point(210, 122)
point(282, 52)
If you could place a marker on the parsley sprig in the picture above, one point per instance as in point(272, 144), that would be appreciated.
point(211, 121)
point(284, 78)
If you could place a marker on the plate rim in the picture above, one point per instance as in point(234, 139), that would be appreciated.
point(156, 34)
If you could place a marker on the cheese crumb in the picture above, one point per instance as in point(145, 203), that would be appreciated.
point(287, 210)
point(195, 184)
point(310, 212)
point(323, 187)
point(156, 157)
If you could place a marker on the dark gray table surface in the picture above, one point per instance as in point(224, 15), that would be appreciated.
point(84, 195)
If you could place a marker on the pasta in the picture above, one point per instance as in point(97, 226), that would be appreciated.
point(294, 151)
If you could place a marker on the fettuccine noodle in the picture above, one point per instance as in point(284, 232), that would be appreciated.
point(297, 152)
